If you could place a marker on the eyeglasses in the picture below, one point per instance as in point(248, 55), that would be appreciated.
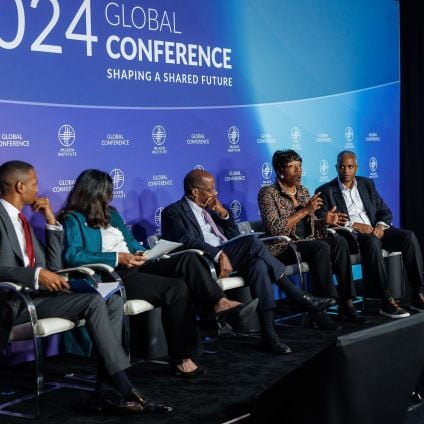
point(209, 190)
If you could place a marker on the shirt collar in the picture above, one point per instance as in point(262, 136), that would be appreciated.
point(11, 210)
point(343, 187)
point(194, 206)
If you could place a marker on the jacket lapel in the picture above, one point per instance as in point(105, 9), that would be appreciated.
point(338, 198)
point(190, 216)
point(11, 233)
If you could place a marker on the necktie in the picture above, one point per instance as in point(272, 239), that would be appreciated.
point(29, 247)
point(214, 227)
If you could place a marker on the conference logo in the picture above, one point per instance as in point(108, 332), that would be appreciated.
point(235, 208)
point(198, 139)
point(323, 170)
point(158, 216)
point(118, 180)
point(115, 139)
point(159, 137)
point(373, 165)
point(296, 135)
point(372, 136)
point(233, 136)
point(66, 136)
point(323, 138)
point(266, 171)
point(13, 140)
point(323, 167)
point(235, 175)
point(348, 135)
point(266, 138)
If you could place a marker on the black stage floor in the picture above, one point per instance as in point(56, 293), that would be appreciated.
point(236, 376)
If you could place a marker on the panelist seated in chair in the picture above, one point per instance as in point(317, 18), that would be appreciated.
point(200, 221)
point(96, 233)
point(24, 261)
point(371, 221)
point(287, 209)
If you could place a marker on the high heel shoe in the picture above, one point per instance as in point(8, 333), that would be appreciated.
point(186, 374)
point(322, 321)
point(239, 312)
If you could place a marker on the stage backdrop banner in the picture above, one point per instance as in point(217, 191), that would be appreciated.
point(148, 90)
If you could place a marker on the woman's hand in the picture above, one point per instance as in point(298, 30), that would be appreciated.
point(314, 203)
point(131, 261)
point(335, 218)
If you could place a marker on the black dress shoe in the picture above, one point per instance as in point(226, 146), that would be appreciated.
point(186, 374)
point(109, 402)
point(322, 321)
point(149, 407)
point(348, 312)
point(239, 312)
point(275, 345)
point(310, 303)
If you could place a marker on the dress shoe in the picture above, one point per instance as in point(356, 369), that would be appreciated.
point(149, 407)
point(348, 312)
point(110, 402)
point(310, 303)
point(322, 321)
point(417, 303)
point(186, 374)
point(239, 312)
point(275, 345)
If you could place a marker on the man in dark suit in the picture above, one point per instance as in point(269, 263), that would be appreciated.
point(24, 261)
point(371, 222)
point(200, 221)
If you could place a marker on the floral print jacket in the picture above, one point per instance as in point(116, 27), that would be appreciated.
point(276, 207)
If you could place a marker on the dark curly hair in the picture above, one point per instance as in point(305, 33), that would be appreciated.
point(281, 158)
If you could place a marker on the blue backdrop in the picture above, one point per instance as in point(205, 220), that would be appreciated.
point(147, 90)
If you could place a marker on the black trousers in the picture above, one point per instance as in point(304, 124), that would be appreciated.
point(325, 257)
point(252, 259)
point(103, 321)
point(395, 239)
point(169, 283)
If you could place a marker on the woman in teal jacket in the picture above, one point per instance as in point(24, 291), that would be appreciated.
point(96, 233)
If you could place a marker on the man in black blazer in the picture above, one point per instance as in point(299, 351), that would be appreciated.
point(24, 261)
point(200, 221)
point(371, 220)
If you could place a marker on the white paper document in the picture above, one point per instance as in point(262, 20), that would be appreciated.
point(162, 247)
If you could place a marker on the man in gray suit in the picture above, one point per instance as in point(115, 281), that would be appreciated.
point(24, 261)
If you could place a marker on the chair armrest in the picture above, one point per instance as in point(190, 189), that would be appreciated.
point(15, 287)
point(181, 252)
point(78, 269)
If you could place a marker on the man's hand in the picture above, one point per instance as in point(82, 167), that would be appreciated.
point(314, 203)
point(335, 218)
point(362, 228)
point(52, 281)
point(42, 205)
point(214, 203)
point(131, 261)
point(378, 231)
point(225, 267)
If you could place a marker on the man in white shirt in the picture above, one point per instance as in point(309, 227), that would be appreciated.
point(371, 220)
point(25, 261)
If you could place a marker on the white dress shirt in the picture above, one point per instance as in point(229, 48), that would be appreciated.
point(355, 206)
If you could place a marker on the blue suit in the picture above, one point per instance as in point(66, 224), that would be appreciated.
point(247, 255)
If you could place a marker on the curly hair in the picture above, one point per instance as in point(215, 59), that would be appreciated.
point(281, 158)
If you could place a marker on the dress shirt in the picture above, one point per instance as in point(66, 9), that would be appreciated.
point(355, 206)
point(19, 230)
point(208, 234)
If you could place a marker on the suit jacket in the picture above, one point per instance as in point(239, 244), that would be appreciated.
point(179, 224)
point(374, 204)
point(12, 266)
point(83, 244)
